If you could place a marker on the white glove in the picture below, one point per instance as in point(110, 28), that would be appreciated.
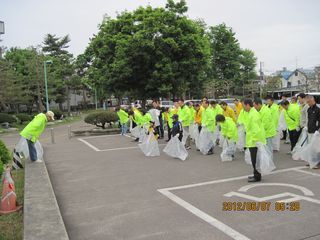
point(298, 129)
point(305, 128)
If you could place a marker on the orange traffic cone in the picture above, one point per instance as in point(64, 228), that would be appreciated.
point(9, 198)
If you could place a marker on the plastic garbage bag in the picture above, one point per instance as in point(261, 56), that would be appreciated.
point(176, 149)
point(228, 150)
point(276, 141)
point(191, 130)
point(301, 145)
point(241, 138)
point(247, 157)
point(155, 113)
point(264, 162)
point(136, 131)
point(186, 134)
point(311, 153)
point(196, 135)
point(217, 138)
point(205, 141)
point(22, 148)
point(282, 122)
point(150, 146)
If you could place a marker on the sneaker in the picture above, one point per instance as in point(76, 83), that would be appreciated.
point(38, 161)
point(188, 148)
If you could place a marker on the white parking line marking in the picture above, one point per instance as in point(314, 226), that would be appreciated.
point(228, 179)
point(89, 145)
point(101, 136)
point(307, 172)
point(209, 219)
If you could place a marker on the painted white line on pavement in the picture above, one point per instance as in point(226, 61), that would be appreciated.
point(209, 219)
point(227, 179)
point(89, 145)
point(124, 148)
point(307, 172)
point(101, 136)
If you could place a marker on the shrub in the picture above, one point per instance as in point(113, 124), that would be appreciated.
point(4, 153)
point(22, 117)
point(57, 113)
point(4, 117)
point(101, 118)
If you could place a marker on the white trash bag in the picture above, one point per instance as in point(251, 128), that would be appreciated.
point(241, 138)
point(196, 135)
point(205, 140)
point(247, 156)
point(186, 134)
point(311, 153)
point(191, 130)
point(136, 131)
point(264, 162)
point(228, 150)
point(22, 148)
point(150, 146)
point(276, 141)
point(282, 122)
point(176, 149)
point(300, 146)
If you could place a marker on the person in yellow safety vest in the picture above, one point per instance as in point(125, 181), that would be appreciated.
point(123, 119)
point(198, 114)
point(292, 118)
point(275, 111)
point(267, 123)
point(228, 130)
point(228, 111)
point(217, 109)
point(192, 112)
point(184, 118)
point(208, 120)
point(228, 127)
point(33, 131)
point(254, 133)
point(137, 119)
point(238, 106)
point(168, 114)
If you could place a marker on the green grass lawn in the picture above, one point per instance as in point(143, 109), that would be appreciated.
point(11, 226)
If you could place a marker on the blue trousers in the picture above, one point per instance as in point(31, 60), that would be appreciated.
point(32, 151)
point(124, 129)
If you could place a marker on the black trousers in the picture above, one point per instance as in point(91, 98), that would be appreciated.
point(169, 132)
point(294, 136)
point(284, 132)
point(199, 128)
point(253, 155)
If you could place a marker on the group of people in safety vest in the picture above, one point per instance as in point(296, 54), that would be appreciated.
point(253, 126)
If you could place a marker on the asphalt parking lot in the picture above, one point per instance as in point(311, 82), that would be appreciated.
point(107, 189)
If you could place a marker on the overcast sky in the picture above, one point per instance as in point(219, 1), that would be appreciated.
point(280, 32)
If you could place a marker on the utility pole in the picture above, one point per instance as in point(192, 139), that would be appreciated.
point(1, 32)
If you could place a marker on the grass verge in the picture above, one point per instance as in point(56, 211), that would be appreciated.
point(11, 225)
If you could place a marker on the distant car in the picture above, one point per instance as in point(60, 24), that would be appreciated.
point(166, 104)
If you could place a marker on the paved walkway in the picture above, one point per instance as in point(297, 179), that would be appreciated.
point(112, 191)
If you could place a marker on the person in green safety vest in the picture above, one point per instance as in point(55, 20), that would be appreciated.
point(267, 123)
point(123, 119)
point(208, 121)
point(33, 131)
point(292, 118)
point(254, 133)
point(184, 118)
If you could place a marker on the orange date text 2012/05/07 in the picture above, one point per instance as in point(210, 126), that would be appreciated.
point(260, 206)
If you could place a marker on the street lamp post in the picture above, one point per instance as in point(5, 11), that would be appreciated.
point(46, 81)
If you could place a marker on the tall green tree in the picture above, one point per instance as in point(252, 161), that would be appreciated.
point(151, 52)
point(226, 53)
point(62, 69)
point(27, 66)
point(248, 63)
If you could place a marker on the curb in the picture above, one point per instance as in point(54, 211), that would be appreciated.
point(42, 217)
